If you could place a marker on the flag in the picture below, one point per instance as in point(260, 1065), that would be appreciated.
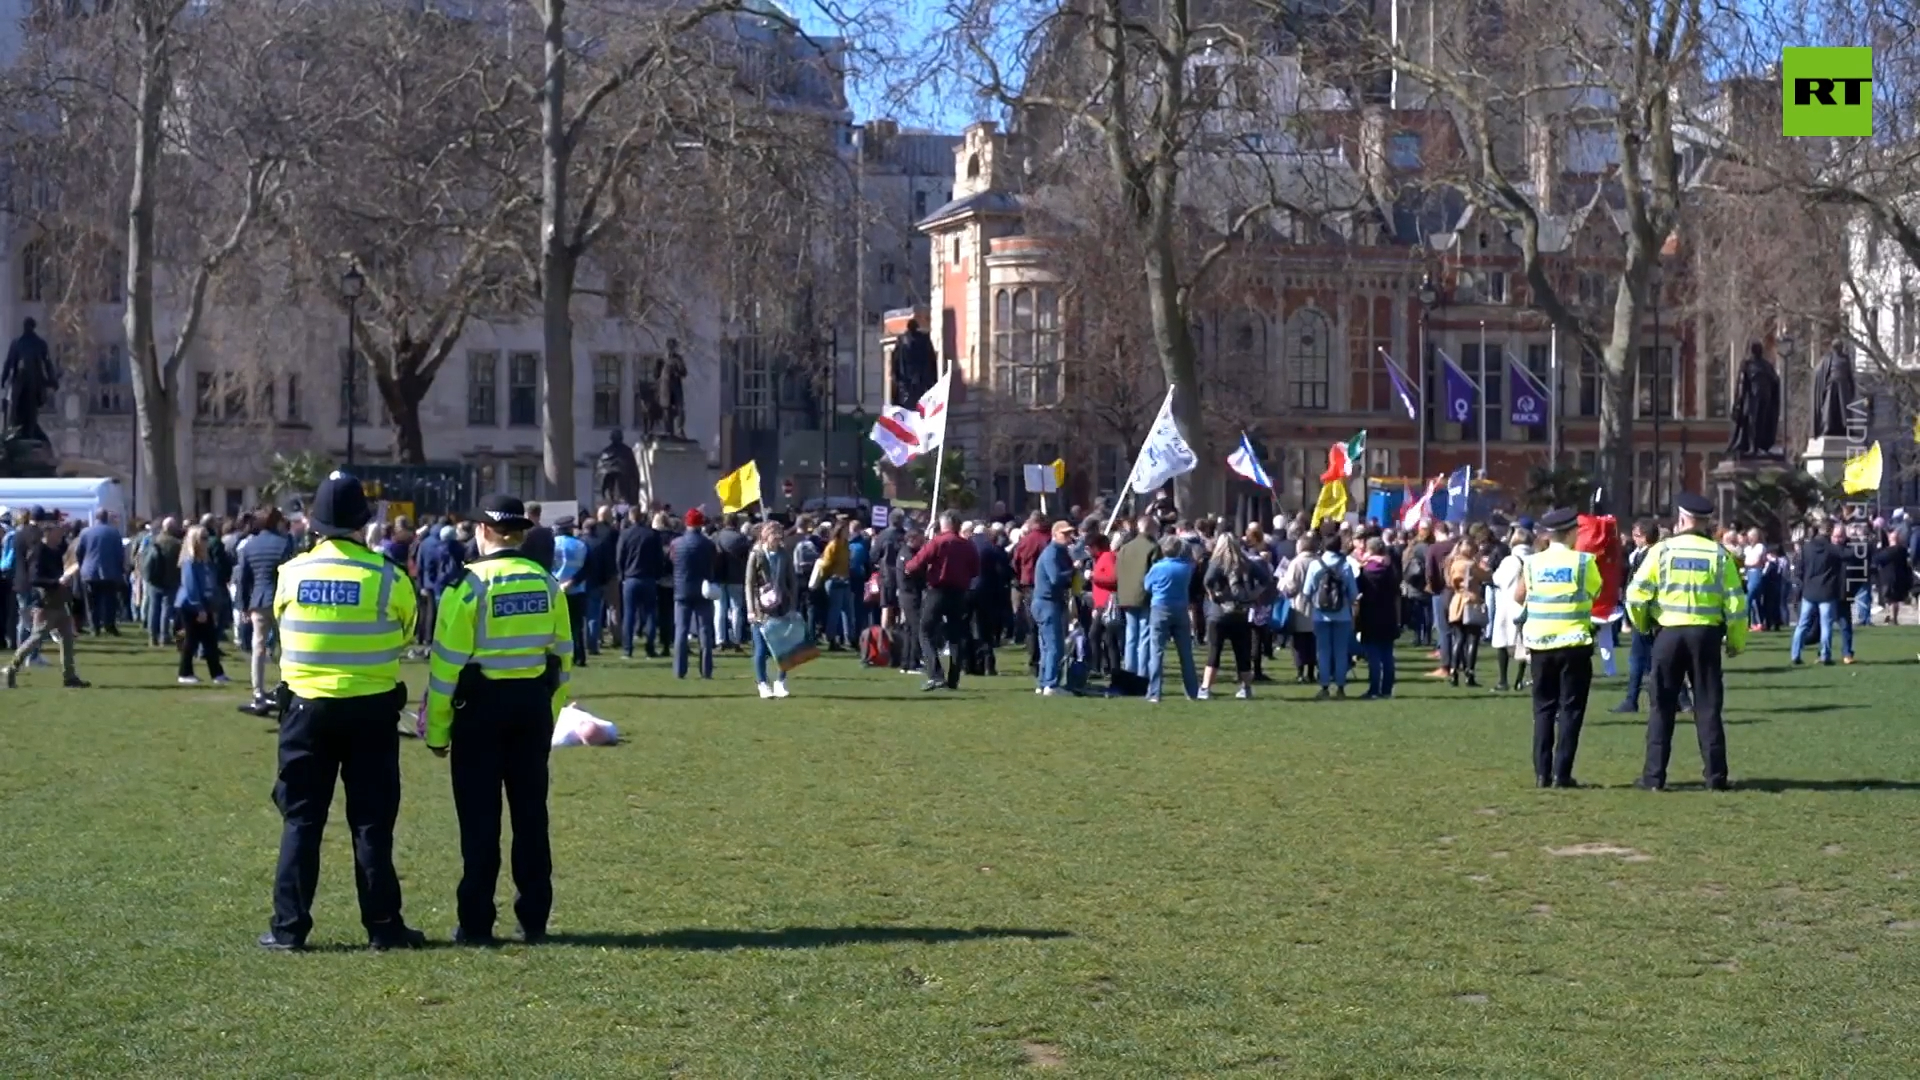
point(1530, 397)
point(932, 422)
point(1059, 473)
point(1421, 509)
point(1402, 386)
point(1459, 491)
point(1863, 473)
point(1462, 392)
point(1345, 459)
point(1164, 455)
point(897, 432)
point(739, 489)
point(1332, 504)
point(1245, 462)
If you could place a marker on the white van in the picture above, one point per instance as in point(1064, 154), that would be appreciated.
point(77, 497)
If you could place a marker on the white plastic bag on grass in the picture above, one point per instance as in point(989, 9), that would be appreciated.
point(578, 727)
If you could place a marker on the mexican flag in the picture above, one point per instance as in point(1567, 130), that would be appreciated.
point(1345, 460)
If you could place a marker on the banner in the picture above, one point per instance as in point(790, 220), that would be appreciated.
point(1459, 493)
point(1402, 386)
point(1531, 399)
point(1462, 393)
point(1164, 455)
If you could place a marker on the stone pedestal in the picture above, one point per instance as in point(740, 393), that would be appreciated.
point(1826, 457)
point(1728, 476)
point(674, 472)
point(27, 459)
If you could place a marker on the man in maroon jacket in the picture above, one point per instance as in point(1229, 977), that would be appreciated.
point(950, 564)
point(1026, 554)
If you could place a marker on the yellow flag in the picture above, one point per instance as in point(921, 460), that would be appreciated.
point(1863, 472)
point(739, 489)
point(1332, 505)
point(1060, 473)
point(1916, 428)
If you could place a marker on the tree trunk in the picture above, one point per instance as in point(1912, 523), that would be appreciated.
point(557, 267)
point(402, 395)
point(1619, 368)
point(1173, 340)
point(152, 387)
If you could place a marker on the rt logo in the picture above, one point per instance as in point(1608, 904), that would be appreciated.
point(1826, 92)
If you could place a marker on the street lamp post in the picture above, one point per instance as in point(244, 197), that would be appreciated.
point(352, 284)
point(1783, 348)
point(1428, 296)
point(1662, 396)
point(829, 343)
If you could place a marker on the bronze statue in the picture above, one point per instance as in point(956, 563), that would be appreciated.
point(1756, 407)
point(915, 367)
point(1833, 391)
point(617, 474)
point(669, 387)
point(28, 381)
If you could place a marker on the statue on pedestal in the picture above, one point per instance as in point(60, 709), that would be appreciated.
point(1833, 391)
point(1756, 407)
point(670, 391)
point(28, 382)
point(915, 367)
point(617, 473)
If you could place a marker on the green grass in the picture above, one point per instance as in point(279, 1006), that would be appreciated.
point(864, 881)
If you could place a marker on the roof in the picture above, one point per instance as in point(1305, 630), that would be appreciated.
point(980, 202)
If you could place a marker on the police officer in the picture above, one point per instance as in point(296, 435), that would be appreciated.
point(344, 614)
point(1558, 590)
point(501, 656)
point(1690, 587)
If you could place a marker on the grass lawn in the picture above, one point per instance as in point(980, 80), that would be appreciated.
point(865, 881)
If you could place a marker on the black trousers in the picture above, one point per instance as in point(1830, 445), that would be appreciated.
point(1231, 631)
point(103, 606)
point(910, 633)
point(943, 621)
point(200, 637)
point(500, 744)
point(577, 621)
point(355, 740)
point(1561, 678)
point(989, 621)
point(1682, 654)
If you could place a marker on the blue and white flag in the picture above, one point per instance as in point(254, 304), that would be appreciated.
point(1459, 492)
point(1247, 463)
point(1530, 396)
point(1402, 386)
point(1462, 393)
point(1164, 455)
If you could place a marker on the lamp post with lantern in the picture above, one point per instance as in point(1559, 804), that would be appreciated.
point(1428, 297)
point(352, 284)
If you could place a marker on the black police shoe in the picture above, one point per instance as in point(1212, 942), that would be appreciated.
point(532, 937)
point(273, 942)
point(1719, 784)
point(1567, 782)
point(402, 937)
point(462, 937)
point(1645, 784)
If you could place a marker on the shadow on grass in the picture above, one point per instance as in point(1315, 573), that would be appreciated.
point(801, 695)
point(797, 937)
point(1826, 785)
point(1685, 719)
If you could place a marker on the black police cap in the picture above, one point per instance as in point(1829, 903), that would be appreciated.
point(340, 506)
point(1693, 505)
point(1558, 520)
point(505, 513)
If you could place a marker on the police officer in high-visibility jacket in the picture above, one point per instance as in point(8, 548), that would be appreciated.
point(1558, 589)
point(502, 653)
point(1691, 588)
point(344, 614)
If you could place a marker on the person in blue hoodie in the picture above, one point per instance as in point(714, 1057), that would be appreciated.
point(1329, 592)
point(1168, 583)
point(196, 605)
point(1052, 589)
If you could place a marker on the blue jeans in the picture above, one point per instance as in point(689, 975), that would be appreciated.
point(1862, 608)
point(1442, 630)
point(691, 616)
point(1756, 598)
point(639, 605)
point(1830, 612)
point(761, 655)
point(1050, 623)
point(1380, 667)
point(1333, 641)
point(1639, 662)
point(1136, 649)
point(1420, 621)
point(596, 617)
point(730, 615)
point(159, 616)
point(840, 612)
point(1161, 625)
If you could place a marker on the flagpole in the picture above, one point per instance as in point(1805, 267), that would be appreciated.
point(1553, 398)
point(933, 504)
point(1426, 374)
point(1483, 395)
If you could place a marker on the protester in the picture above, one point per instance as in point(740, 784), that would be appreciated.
point(1509, 645)
point(1329, 589)
point(770, 588)
point(1467, 579)
point(1233, 585)
point(195, 605)
point(103, 572)
point(692, 556)
point(1168, 584)
point(1378, 615)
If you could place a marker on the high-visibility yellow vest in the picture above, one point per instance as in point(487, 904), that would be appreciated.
point(507, 616)
point(344, 613)
point(1689, 580)
point(1561, 587)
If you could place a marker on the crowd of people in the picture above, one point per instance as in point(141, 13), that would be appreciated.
point(1119, 604)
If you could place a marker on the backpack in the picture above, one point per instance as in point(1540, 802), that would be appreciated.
point(1330, 594)
point(875, 649)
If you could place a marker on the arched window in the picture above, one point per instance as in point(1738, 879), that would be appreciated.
point(1308, 347)
point(36, 273)
point(1026, 345)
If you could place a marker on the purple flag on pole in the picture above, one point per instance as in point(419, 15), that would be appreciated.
point(1401, 388)
point(1529, 396)
point(1462, 392)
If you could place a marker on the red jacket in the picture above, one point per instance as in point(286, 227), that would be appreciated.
point(1106, 578)
point(1600, 537)
point(949, 560)
point(1026, 553)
